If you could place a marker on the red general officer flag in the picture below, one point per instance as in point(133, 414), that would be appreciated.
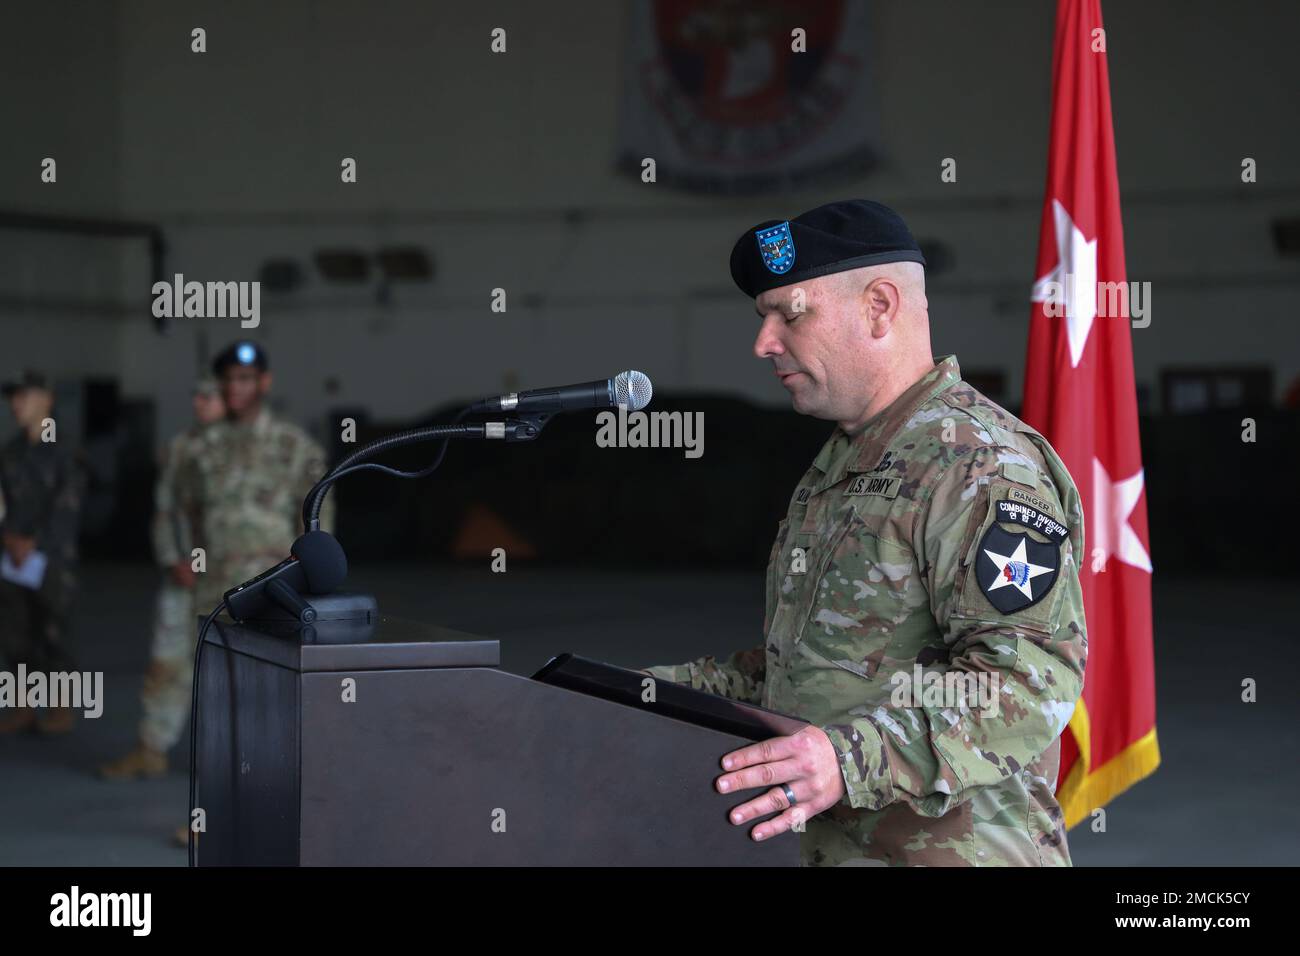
point(1079, 392)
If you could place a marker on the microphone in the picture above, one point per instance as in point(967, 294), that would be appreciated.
point(316, 565)
point(630, 388)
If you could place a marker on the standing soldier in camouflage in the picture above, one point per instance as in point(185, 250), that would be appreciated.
point(924, 611)
point(241, 482)
point(41, 486)
point(165, 696)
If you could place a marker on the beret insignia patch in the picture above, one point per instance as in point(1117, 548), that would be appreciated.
point(776, 246)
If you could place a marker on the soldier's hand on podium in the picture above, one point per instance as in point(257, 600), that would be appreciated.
point(805, 764)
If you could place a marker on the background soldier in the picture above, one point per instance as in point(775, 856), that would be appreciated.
point(41, 487)
point(934, 534)
point(246, 480)
point(242, 481)
point(165, 696)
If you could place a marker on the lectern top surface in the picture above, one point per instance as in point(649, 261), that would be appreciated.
point(341, 645)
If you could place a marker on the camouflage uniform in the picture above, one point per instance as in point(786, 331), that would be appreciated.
point(244, 483)
point(893, 522)
point(235, 490)
point(41, 487)
point(165, 697)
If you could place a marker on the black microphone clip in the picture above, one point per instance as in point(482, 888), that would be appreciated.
point(316, 565)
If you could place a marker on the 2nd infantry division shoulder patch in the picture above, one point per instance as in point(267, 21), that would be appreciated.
point(1013, 569)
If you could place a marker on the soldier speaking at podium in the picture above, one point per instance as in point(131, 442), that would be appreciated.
point(924, 609)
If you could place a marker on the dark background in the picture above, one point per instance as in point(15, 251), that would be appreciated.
point(510, 171)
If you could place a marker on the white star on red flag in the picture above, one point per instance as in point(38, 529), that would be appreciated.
point(1112, 504)
point(1072, 282)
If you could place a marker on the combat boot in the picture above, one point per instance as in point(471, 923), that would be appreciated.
point(17, 720)
point(58, 721)
point(142, 763)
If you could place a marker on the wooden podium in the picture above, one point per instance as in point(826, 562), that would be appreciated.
point(402, 744)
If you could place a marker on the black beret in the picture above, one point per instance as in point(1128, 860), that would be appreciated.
point(836, 237)
point(31, 378)
point(242, 352)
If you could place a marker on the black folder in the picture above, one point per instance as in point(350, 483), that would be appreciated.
point(623, 686)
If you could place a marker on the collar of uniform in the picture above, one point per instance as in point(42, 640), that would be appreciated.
point(876, 435)
point(258, 426)
point(862, 450)
point(833, 450)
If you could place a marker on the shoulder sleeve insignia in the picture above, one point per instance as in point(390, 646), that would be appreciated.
point(1034, 501)
point(1031, 517)
point(1014, 569)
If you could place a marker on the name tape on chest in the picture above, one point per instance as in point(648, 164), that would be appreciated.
point(874, 485)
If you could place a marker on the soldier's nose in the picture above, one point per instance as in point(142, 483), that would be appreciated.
point(767, 343)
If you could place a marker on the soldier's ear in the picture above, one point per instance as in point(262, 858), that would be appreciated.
point(881, 300)
point(264, 383)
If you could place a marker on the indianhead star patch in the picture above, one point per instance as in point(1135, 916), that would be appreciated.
point(1013, 570)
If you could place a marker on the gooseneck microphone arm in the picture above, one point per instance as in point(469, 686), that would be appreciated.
point(531, 411)
point(523, 428)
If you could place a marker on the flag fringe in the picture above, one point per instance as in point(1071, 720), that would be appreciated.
point(1086, 789)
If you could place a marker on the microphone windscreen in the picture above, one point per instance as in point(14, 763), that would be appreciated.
point(633, 389)
point(322, 560)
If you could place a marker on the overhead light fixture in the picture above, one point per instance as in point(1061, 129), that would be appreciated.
point(405, 262)
point(280, 275)
point(343, 265)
